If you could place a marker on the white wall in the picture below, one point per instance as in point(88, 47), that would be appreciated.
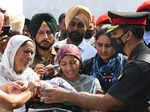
point(56, 7)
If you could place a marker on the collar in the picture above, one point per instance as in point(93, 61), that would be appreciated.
point(82, 45)
point(136, 51)
point(147, 37)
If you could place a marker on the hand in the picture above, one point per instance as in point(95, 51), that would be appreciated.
point(33, 86)
point(3, 43)
point(13, 87)
point(40, 70)
point(53, 94)
point(99, 91)
point(50, 70)
point(4, 38)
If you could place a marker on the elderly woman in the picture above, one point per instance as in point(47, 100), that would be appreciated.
point(107, 66)
point(16, 59)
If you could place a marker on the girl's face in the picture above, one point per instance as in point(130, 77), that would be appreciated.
point(70, 67)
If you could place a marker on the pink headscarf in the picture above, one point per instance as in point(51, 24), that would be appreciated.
point(68, 49)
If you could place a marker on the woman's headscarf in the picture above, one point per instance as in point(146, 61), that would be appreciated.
point(68, 49)
point(7, 63)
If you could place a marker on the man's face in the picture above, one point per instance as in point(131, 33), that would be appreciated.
point(90, 31)
point(118, 39)
point(76, 30)
point(26, 31)
point(44, 37)
point(117, 33)
point(62, 25)
point(62, 28)
point(76, 25)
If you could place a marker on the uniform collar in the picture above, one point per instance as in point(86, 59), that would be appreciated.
point(136, 51)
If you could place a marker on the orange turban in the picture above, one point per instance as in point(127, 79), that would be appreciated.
point(82, 12)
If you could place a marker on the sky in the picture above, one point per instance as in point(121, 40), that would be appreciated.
point(56, 7)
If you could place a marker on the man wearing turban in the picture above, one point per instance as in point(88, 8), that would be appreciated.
point(77, 20)
point(43, 27)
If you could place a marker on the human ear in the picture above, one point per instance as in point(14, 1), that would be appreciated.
point(129, 35)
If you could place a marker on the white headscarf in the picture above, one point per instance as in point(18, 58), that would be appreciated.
point(7, 72)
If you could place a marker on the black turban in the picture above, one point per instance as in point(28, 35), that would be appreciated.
point(37, 20)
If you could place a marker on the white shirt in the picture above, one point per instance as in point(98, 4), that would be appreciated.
point(147, 37)
point(87, 51)
point(91, 41)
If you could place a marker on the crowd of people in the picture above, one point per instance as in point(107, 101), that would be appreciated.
point(79, 65)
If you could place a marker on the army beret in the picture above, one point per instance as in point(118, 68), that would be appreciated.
point(145, 6)
point(103, 19)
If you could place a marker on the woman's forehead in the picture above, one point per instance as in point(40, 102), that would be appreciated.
point(28, 45)
point(68, 58)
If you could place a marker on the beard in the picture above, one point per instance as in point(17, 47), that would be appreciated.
point(44, 46)
point(76, 36)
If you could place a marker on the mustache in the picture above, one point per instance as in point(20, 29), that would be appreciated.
point(45, 41)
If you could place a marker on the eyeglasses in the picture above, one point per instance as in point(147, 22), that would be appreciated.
point(79, 25)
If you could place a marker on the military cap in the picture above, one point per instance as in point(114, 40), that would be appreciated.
point(145, 6)
point(130, 18)
point(38, 19)
point(104, 18)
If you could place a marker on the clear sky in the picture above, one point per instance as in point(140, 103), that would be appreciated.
point(56, 7)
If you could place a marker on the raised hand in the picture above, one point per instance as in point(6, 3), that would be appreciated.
point(40, 70)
